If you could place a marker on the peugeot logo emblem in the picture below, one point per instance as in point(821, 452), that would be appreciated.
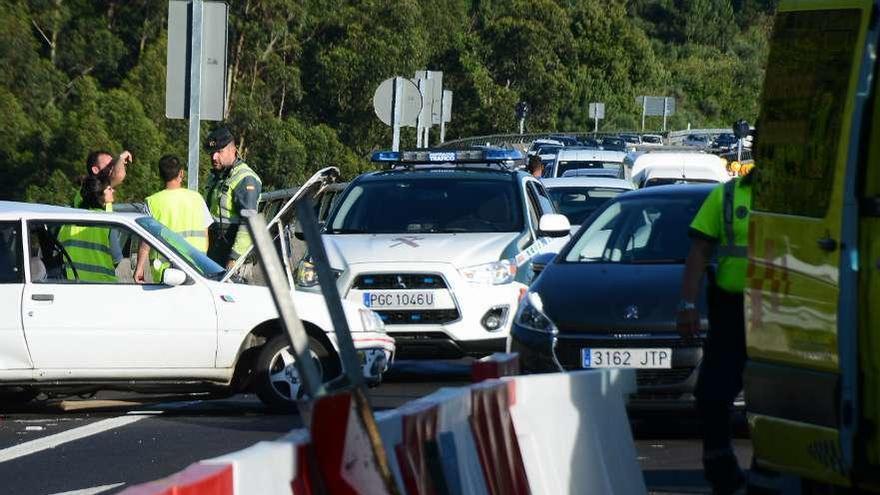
point(631, 312)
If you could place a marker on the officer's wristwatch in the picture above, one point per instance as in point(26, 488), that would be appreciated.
point(686, 305)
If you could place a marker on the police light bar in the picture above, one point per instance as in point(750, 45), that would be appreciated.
point(496, 155)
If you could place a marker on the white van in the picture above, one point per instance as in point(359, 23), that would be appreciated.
point(658, 168)
point(571, 158)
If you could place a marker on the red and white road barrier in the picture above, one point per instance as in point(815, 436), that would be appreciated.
point(197, 479)
point(538, 434)
point(495, 366)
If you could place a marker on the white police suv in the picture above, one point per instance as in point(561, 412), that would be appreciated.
point(440, 244)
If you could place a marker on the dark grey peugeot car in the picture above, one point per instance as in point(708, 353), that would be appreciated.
point(609, 298)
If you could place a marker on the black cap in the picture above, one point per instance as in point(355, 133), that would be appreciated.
point(218, 139)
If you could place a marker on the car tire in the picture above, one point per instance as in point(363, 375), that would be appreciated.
point(277, 380)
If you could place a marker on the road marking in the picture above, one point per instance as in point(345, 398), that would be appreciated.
point(91, 491)
point(52, 441)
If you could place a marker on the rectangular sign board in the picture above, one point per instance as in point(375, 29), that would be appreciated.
point(432, 97)
point(447, 106)
point(654, 105)
point(597, 110)
point(213, 81)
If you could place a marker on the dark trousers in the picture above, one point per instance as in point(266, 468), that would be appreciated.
point(718, 384)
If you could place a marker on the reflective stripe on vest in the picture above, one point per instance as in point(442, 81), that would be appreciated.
point(89, 251)
point(729, 248)
point(224, 211)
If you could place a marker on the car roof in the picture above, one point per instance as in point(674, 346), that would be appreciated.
point(17, 210)
point(572, 153)
point(695, 190)
point(441, 172)
point(587, 182)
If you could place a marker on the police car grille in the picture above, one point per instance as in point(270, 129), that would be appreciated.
point(399, 281)
point(418, 316)
point(662, 376)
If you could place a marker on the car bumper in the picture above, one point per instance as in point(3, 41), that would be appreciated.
point(462, 333)
point(671, 388)
point(376, 351)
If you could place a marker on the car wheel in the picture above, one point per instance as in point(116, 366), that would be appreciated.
point(278, 382)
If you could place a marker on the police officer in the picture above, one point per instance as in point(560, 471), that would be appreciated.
point(722, 224)
point(179, 209)
point(88, 247)
point(234, 187)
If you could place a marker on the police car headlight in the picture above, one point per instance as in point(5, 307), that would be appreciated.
point(372, 322)
point(307, 275)
point(531, 315)
point(494, 273)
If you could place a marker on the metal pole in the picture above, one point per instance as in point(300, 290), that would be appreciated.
point(644, 110)
point(293, 326)
point(739, 150)
point(396, 94)
point(665, 102)
point(443, 117)
point(522, 123)
point(195, 88)
point(305, 213)
point(421, 119)
point(596, 124)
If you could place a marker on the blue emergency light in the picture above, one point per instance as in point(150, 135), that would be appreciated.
point(488, 156)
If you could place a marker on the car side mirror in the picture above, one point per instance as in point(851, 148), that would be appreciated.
point(554, 225)
point(539, 262)
point(173, 277)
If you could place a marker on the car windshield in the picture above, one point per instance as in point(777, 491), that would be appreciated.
point(577, 203)
point(428, 205)
point(173, 241)
point(643, 230)
point(547, 149)
point(565, 165)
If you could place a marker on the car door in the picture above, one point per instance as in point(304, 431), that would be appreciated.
point(802, 331)
point(13, 348)
point(73, 324)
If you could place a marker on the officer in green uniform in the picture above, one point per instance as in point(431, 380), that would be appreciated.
point(181, 210)
point(88, 247)
point(722, 224)
point(233, 187)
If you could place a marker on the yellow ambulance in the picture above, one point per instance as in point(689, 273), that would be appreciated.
point(812, 301)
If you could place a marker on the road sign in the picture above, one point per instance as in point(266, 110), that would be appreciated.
point(522, 110)
point(656, 106)
point(446, 114)
point(397, 101)
point(740, 129)
point(410, 102)
point(212, 90)
point(597, 110)
point(195, 78)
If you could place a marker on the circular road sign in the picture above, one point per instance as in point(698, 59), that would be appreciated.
point(410, 102)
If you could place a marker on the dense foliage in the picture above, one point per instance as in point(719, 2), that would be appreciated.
point(80, 75)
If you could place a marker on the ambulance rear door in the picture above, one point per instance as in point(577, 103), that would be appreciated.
point(801, 375)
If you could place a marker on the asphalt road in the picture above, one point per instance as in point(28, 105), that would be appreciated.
point(104, 444)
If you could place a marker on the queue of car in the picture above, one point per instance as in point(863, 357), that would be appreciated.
point(441, 254)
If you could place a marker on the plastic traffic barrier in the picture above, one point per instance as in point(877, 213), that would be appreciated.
point(495, 366)
point(271, 467)
point(574, 433)
point(197, 479)
point(342, 448)
point(495, 437)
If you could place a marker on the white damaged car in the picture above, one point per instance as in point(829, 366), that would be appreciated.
point(190, 332)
